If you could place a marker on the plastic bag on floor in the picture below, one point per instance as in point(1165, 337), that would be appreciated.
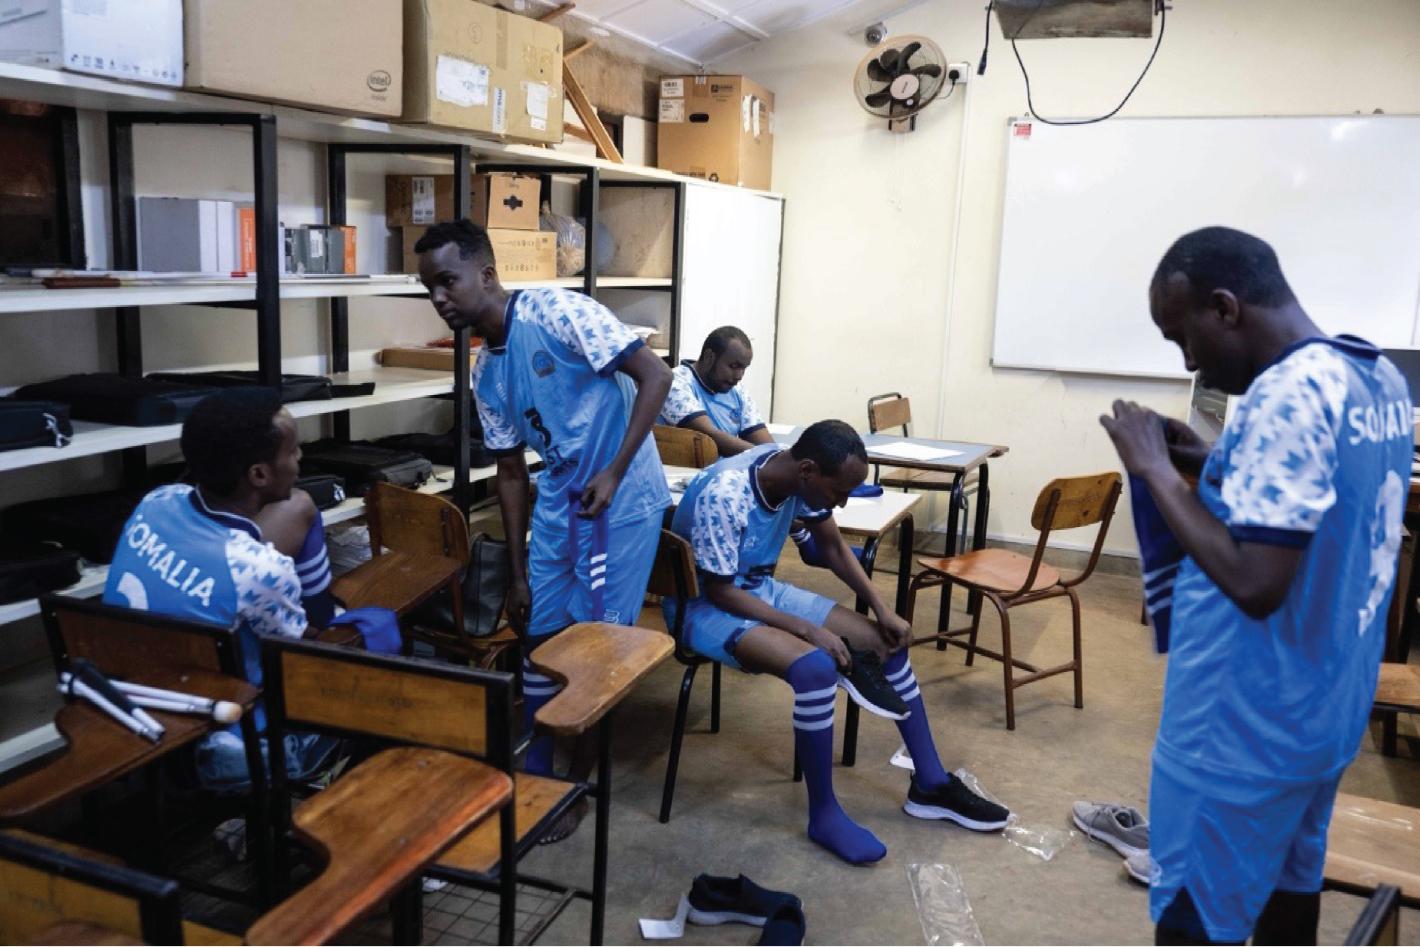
point(1041, 841)
point(942, 905)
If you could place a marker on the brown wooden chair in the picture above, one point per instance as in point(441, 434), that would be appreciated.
point(892, 410)
point(381, 824)
point(683, 447)
point(1008, 579)
point(419, 545)
point(1397, 692)
point(1370, 843)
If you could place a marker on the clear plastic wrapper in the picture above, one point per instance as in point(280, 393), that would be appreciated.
point(571, 240)
point(1044, 842)
point(942, 905)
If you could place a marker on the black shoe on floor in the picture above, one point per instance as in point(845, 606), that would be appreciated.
point(869, 687)
point(958, 804)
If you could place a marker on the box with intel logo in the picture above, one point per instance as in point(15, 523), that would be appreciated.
point(132, 40)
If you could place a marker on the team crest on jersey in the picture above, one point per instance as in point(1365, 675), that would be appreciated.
point(542, 364)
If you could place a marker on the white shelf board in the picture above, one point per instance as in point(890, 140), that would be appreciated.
point(57, 87)
point(28, 298)
point(391, 385)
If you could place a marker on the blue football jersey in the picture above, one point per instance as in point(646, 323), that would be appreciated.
point(1316, 457)
point(733, 411)
point(735, 533)
point(177, 557)
point(550, 387)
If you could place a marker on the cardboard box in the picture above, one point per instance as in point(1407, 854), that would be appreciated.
point(418, 199)
point(521, 255)
point(340, 55)
point(137, 40)
point(506, 201)
point(475, 67)
point(720, 128)
point(428, 357)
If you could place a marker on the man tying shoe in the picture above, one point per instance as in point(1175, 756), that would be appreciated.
point(736, 516)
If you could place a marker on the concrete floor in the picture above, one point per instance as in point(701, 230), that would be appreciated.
point(736, 810)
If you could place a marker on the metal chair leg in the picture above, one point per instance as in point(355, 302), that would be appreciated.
point(715, 697)
point(677, 736)
point(798, 764)
point(971, 638)
point(603, 791)
point(850, 735)
point(407, 914)
point(1079, 650)
point(1007, 665)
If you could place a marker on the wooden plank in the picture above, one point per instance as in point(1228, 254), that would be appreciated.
point(606, 148)
point(478, 852)
point(1371, 843)
point(599, 664)
point(554, 13)
point(399, 581)
point(1399, 686)
point(578, 50)
point(379, 827)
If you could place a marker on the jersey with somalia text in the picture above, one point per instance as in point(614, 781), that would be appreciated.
point(550, 387)
point(732, 411)
point(1316, 457)
point(177, 557)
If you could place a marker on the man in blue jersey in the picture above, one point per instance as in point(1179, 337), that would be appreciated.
point(196, 552)
point(736, 516)
point(544, 379)
point(1279, 606)
point(706, 395)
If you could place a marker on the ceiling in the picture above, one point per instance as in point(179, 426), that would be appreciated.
point(702, 32)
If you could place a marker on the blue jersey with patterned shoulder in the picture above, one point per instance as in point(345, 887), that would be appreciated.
point(733, 411)
point(735, 533)
point(177, 557)
point(550, 387)
point(1315, 457)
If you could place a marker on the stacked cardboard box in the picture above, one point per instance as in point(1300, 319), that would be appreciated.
point(506, 205)
point(138, 40)
point(720, 128)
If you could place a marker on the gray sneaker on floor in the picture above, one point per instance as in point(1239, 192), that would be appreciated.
point(1122, 828)
point(1140, 867)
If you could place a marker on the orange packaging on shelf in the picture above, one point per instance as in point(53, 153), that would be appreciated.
point(246, 239)
point(348, 264)
point(720, 128)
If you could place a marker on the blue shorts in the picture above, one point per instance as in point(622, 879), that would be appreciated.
point(714, 632)
point(562, 583)
point(1231, 853)
point(222, 758)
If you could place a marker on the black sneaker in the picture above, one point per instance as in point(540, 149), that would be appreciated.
point(958, 804)
point(869, 687)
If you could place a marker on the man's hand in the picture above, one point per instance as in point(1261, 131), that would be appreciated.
point(828, 641)
point(1138, 436)
point(896, 630)
point(519, 605)
point(1187, 450)
point(597, 495)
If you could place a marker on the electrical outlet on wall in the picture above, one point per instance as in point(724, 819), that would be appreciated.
point(962, 71)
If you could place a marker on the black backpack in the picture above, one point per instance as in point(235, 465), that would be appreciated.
point(28, 570)
point(34, 424)
point(363, 465)
point(116, 399)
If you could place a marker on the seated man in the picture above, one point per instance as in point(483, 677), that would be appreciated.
point(706, 395)
point(736, 515)
point(197, 553)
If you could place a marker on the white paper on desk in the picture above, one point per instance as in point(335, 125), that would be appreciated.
point(906, 450)
point(857, 501)
point(781, 428)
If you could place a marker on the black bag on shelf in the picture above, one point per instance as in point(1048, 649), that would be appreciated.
point(34, 424)
point(326, 490)
point(114, 399)
point(293, 387)
point(363, 465)
point(438, 448)
point(89, 524)
point(28, 570)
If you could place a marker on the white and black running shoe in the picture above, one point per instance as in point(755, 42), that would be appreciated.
point(955, 803)
point(869, 687)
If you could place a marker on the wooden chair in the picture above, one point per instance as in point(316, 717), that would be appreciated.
point(599, 664)
point(1379, 922)
point(167, 652)
point(43, 886)
point(380, 825)
point(1397, 692)
point(683, 447)
point(420, 546)
point(1372, 843)
point(673, 577)
point(892, 410)
point(1008, 579)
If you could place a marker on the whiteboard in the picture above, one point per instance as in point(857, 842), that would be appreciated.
point(1089, 210)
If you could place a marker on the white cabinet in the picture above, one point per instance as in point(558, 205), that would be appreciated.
point(730, 275)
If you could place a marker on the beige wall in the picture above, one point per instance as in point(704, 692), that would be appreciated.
point(867, 300)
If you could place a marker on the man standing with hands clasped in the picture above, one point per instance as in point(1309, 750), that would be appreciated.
point(1290, 546)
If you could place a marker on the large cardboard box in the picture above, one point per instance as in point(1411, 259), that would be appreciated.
point(720, 128)
point(418, 199)
point(137, 40)
point(520, 254)
point(475, 67)
point(506, 201)
point(340, 55)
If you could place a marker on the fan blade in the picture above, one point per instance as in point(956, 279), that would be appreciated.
point(907, 53)
point(931, 69)
point(877, 73)
point(889, 61)
point(878, 99)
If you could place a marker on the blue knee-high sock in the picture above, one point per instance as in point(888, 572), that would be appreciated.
point(814, 678)
point(915, 730)
point(538, 689)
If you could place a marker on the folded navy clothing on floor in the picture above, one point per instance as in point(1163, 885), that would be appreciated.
point(720, 900)
point(1160, 555)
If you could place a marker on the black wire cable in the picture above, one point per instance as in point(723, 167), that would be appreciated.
point(1162, 8)
point(986, 45)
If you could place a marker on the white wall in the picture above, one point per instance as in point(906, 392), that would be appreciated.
point(867, 298)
